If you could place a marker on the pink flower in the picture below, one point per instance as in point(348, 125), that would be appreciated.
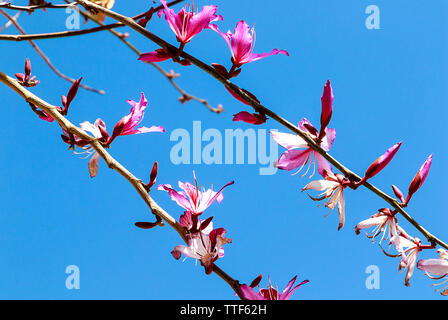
point(380, 163)
point(127, 125)
point(384, 221)
point(298, 152)
point(333, 187)
point(242, 43)
point(252, 118)
point(436, 269)
point(98, 130)
point(186, 24)
point(205, 247)
point(191, 198)
point(270, 293)
point(419, 178)
point(408, 249)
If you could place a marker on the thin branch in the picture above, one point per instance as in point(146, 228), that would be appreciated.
point(168, 75)
point(46, 59)
point(113, 164)
point(264, 110)
point(9, 23)
point(9, 5)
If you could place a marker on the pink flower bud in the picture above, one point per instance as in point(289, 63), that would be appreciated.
point(381, 162)
point(419, 178)
point(252, 118)
point(398, 193)
point(27, 69)
point(327, 108)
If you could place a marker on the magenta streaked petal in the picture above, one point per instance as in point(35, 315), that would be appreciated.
point(257, 56)
point(286, 294)
point(293, 159)
point(179, 197)
point(249, 294)
point(323, 166)
point(327, 141)
point(145, 130)
point(202, 20)
point(241, 42)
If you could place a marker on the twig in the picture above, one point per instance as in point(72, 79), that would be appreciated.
point(8, 5)
point(112, 163)
point(169, 76)
point(46, 59)
point(9, 23)
point(264, 110)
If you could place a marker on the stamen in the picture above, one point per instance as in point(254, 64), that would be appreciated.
point(303, 164)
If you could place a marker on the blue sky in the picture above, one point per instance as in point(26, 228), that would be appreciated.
point(389, 85)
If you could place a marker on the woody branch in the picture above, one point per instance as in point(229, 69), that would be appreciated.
point(266, 111)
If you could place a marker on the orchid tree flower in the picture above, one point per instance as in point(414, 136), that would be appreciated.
point(269, 293)
point(185, 24)
point(298, 152)
point(383, 222)
point(419, 178)
point(98, 130)
point(127, 125)
point(205, 247)
point(408, 248)
point(192, 198)
point(241, 44)
point(436, 269)
point(333, 190)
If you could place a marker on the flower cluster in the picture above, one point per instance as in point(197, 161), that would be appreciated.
point(126, 126)
point(205, 243)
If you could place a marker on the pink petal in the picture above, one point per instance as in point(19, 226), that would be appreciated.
point(249, 293)
point(293, 159)
point(323, 166)
point(180, 198)
point(93, 165)
point(289, 141)
point(257, 56)
point(438, 267)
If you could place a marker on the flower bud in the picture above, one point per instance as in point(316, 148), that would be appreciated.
point(381, 162)
point(398, 193)
point(252, 118)
point(419, 178)
point(327, 108)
